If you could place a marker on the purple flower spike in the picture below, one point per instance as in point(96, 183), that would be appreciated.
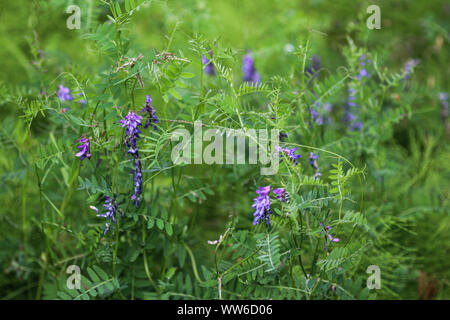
point(289, 153)
point(84, 149)
point(350, 113)
point(248, 68)
point(327, 235)
point(319, 111)
point(137, 183)
point(363, 73)
point(64, 93)
point(316, 116)
point(209, 67)
point(262, 205)
point(281, 194)
point(152, 118)
point(110, 214)
point(131, 122)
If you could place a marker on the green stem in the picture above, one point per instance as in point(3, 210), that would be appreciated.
point(297, 246)
point(41, 205)
point(116, 247)
point(194, 265)
point(147, 271)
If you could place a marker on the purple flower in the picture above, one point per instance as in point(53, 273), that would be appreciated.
point(328, 107)
point(289, 153)
point(82, 101)
point(363, 73)
point(64, 93)
point(313, 162)
point(312, 159)
point(281, 194)
point(318, 110)
point(409, 66)
point(328, 235)
point(213, 242)
point(84, 149)
point(283, 136)
point(110, 214)
point(311, 70)
point(136, 197)
point(362, 60)
point(209, 67)
point(316, 116)
point(356, 126)
point(350, 116)
point(351, 97)
point(131, 122)
point(248, 68)
point(151, 113)
point(262, 205)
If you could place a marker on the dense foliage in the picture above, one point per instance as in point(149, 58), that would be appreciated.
point(87, 177)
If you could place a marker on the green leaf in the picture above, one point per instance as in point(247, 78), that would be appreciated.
point(150, 223)
point(101, 273)
point(171, 272)
point(169, 229)
point(175, 94)
point(118, 10)
point(64, 296)
point(93, 275)
point(134, 254)
point(187, 75)
point(160, 223)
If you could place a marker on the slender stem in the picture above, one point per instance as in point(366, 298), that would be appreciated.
point(147, 271)
point(297, 246)
point(194, 265)
point(232, 267)
point(116, 246)
point(313, 265)
point(41, 205)
point(201, 80)
point(132, 92)
point(24, 219)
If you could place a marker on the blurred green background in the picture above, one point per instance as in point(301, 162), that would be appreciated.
point(418, 153)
